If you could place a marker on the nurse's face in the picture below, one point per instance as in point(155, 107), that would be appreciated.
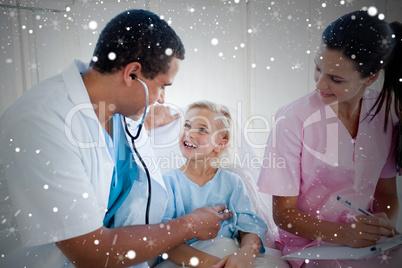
point(337, 78)
point(156, 88)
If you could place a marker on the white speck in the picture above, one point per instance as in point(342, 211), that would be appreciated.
point(130, 254)
point(253, 65)
point(68, 9)
point(381, 16)
point(45, 186)
point(17, 149)
point(308, 51)
point(96, 242)
point(37, 151)
point(17, 212)
point(30, 215)
point(289, 17)
point(220, 54)
point(249, 30)
point(23, 27)
point(289, 225)
point(342, 2)
point(9, 60)
point(169, 52)
point(272, 58)
point(55, 209)
point(353, 56)
point(165, 256)
point(335, 235)
point(318, 212)
point(94, 58)
point(353, 225)
point(323, 4)
point(242, 45)
point(144, 238)
point(93, 25)
point(372, 11)
point(112, 56)
point(194, 261)
point(307, 261)
point(268, 67)
point(85, 195)
point(214, 41)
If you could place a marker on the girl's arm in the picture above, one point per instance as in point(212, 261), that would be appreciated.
point(362, 232)
point(386, 198)
point(183, 254)
point(245, 256)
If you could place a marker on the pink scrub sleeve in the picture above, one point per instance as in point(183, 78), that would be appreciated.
point(389, 170)
point(280, 172)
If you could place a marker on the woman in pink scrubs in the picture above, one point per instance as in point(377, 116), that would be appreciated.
point(339, 140)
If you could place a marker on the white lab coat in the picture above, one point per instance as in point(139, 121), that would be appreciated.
point(57, 172)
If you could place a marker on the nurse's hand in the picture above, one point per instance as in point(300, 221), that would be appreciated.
point(159, 115)
point(365, 231)
point(205, 222)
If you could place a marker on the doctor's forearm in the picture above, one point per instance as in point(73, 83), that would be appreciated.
point(125, 246)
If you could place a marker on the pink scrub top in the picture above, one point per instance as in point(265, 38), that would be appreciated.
point(311, 154)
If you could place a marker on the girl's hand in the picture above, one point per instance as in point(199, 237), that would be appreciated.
point(237, 260)
point(365, 231)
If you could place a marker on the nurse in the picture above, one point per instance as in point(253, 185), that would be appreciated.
point(61, 156)
point(339, 140)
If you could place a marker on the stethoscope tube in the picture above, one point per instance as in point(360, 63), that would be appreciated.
point(133, 138)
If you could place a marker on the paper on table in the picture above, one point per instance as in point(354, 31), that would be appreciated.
point(346, 253)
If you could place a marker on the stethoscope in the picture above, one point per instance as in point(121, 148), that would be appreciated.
point(133, 138)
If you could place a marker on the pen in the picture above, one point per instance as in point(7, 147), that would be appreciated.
point(353, 206)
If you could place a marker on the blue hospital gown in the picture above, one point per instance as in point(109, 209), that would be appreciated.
point(226, 188)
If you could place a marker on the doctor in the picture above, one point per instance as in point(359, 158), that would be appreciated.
point(60, 144)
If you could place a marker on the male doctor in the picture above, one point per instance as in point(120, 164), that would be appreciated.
point(65, 161)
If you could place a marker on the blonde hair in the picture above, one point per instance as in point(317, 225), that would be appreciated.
point(223, 119)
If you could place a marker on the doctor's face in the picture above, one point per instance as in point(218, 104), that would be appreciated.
point(156, 88)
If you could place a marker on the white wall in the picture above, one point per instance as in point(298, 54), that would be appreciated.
point(273, 67)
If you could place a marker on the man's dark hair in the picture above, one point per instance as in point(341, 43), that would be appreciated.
point(137, 36)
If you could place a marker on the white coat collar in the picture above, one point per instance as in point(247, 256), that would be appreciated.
point(76, 88)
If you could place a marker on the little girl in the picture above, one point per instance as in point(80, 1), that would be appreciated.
point(200, 182)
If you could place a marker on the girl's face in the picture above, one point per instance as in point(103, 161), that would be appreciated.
point(200, 137)
point(337, 79)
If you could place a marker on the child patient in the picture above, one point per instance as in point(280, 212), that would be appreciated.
point(202, 182)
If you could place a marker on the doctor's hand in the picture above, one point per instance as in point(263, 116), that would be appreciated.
point(365, 231)
point(159, 115)
point(205, 222)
